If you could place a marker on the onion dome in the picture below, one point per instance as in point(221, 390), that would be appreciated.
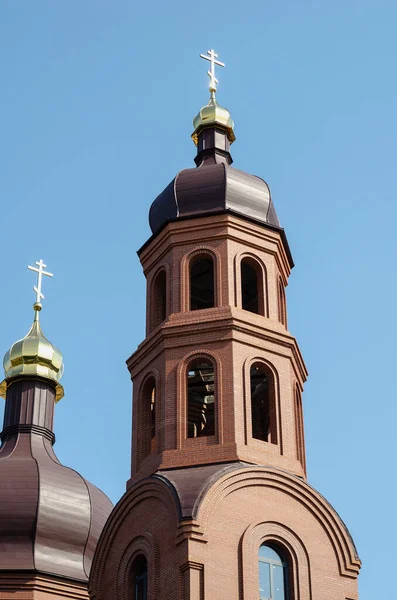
point(212, 115)
point(50, 516)
point(34, 355)
point(214, 186)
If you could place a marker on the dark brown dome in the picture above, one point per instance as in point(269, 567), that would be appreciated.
point(50, 516)
point(210, 188)
point(213, 187)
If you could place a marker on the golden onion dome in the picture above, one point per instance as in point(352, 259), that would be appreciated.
point(211, 115)
point(34, 355)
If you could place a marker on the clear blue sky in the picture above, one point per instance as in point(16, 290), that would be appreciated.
point(96, 107)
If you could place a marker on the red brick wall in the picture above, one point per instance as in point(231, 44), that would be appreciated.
point(233, 338)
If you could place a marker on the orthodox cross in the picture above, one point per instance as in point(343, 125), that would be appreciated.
point(211, 73)
point(40, 272)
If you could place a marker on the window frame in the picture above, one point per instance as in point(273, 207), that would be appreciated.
point(195, 258)
point(137, 579)
point(146, 442)
point(156, 312)
point(257, 267)
point(282, 562)
point(282, 303)
point(195, 360)
point(273, 429)
point(299, 428)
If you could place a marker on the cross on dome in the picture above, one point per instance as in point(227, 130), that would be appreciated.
point(40, 272)
point(212, 56)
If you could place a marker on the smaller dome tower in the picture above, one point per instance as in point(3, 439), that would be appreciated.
point(50, 516)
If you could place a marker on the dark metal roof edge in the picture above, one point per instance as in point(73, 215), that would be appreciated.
point(172, 489)
point(220, 212)
point(229, 467)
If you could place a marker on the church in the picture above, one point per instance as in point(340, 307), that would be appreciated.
point(218, 505)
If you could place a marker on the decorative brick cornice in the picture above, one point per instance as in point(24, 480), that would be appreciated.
point(219, 321)
point(212, 228)
point(25, 585)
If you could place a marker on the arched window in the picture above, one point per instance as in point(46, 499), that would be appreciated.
point(200, 398)
point(202, 288)
point(159, 299)
point(272, 574)
point(300, 438)
point(147, 419)
point(263, 410)
point(282, 308)
point(139, 578)
point(252, 286)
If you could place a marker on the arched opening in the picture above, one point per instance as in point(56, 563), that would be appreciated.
point(282, 308)
point(202, 287)
point(159, 299)
point(263, 409)
point(252, 286)
point(300, 438)
point(147, 419)
point(200, 398)
point(273, 575)
point(139, 578)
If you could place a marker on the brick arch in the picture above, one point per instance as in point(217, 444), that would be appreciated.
point(247, 396)
point(299, 425)
point(143, 545)
point(181, 392)
point(237, 279)
point(146, 489)
point(282, 302)
point(184, 274)
point(291, 546)
point(150, 295)
point(154, 374)
point(338, 535)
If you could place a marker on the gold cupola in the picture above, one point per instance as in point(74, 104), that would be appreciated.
point(34, 355)
point(213, 115)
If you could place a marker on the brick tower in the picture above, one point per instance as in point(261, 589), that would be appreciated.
point(218, 506)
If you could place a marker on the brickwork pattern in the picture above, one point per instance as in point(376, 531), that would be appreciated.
point(231, 337)
point(211, 553)
point(36, 586)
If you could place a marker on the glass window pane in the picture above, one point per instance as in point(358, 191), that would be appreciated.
point(264, 581)
point(268, 553)
point(278, 583)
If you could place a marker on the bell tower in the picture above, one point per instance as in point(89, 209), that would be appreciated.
point(218, 505)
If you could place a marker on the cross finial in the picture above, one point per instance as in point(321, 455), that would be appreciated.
point(40, 272)
point(212, 56)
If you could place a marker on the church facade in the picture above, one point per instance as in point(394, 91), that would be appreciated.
point(218, 504)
